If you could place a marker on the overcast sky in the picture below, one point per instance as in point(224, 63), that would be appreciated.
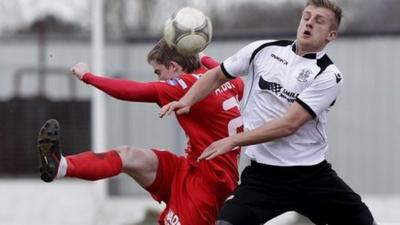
point(15, 13)
point(20, 13)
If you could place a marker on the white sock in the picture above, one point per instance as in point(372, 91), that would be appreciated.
point(62, 168)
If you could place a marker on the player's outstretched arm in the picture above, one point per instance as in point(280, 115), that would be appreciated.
point(207, 83)
point(127, 90)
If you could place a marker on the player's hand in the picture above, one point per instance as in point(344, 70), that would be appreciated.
point(175, 106)
point(217, 148)
point(79, 70)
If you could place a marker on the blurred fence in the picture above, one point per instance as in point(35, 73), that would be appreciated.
point(21, 121)
point(22, 117)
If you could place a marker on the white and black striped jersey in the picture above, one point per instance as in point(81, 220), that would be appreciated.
point(277, 77)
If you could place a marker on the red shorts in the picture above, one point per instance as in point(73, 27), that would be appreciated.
point(193, 192)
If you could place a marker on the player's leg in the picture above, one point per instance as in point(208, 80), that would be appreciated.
point(236, 214)
point(260, 197)
point(339, 212)
point(329, 200)
point(86, 165)
point(169, 167)
point(141, 164)
point(240, 210)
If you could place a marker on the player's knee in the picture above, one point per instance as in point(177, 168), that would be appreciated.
point(222, 222)
point(129, 155)
point(122, 149)
point(136, 159)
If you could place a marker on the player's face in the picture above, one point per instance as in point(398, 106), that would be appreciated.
point(315, 29)
point(163, 72)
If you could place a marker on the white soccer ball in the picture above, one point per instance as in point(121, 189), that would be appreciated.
point(188, 30)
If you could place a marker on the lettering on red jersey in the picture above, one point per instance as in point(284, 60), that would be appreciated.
point(235, 125)
point(172, 218)
point(225, 87)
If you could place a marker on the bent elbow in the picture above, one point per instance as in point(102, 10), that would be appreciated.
point(289, 131)
point(290, 128)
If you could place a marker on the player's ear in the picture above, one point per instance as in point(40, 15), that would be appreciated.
point(175, 66)
point(332, 35)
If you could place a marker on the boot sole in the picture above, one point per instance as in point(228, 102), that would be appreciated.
point(49, 150)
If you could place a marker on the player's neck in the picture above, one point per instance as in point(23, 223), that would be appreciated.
point(304, 50)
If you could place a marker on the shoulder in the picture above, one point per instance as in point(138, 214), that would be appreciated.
point(183, 81)
point(328, 70)
point(263, 45)
point(249, 52)
point(268, 43)
point(180, 82)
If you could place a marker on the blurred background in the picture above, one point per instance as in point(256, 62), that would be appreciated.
point(41, 39)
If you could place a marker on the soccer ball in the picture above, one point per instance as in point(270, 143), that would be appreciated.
point(188, 30)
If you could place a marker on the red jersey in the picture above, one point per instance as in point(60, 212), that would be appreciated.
point(212, 119)
point(209, 120)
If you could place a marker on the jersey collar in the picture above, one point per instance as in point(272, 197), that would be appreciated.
point(312, 55)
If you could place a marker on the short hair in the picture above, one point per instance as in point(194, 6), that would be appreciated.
point(163, 54)
point(331, 5)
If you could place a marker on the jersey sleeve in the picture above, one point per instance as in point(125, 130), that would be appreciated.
point(127, 90)
point(208, 62)
point(239, 63)
point(239, 84)
point(322, 93)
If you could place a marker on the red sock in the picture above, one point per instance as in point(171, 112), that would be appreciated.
point(94, 166)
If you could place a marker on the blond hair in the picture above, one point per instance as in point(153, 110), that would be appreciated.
point(331, 5)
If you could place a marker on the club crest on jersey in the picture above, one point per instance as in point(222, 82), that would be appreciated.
point(304, 75)
point(172, 82)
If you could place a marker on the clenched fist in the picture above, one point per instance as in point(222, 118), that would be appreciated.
point(79, 70)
